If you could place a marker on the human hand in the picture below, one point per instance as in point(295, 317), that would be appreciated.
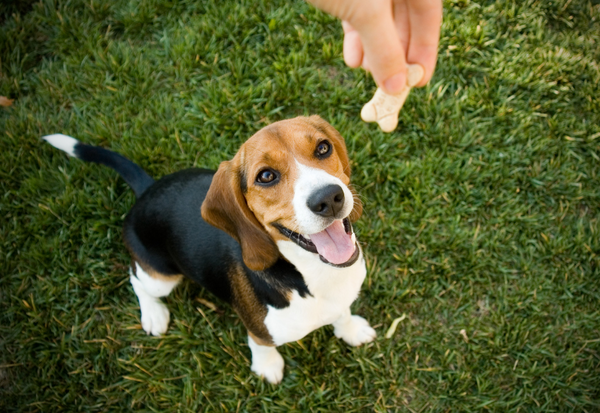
point(383, 35)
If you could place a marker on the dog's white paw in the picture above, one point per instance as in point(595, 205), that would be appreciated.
point(268, 365)
point(356, 331)
point(155, 316)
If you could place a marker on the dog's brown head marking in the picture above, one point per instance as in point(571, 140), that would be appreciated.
point(254, 191)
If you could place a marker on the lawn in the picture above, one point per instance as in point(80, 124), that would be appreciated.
point(481, 220)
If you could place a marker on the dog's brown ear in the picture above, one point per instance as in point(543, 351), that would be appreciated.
point(225, 207)
point(340, 149)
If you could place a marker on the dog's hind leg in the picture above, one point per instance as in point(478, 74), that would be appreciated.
point(149, 289)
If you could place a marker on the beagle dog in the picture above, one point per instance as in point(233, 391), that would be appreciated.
point(269, 232)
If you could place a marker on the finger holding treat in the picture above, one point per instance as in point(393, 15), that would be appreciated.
point(382, 36)
point(384, 108)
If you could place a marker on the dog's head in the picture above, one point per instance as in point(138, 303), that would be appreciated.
point(290, 181)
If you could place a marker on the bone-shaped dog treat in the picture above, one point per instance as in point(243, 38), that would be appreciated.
point(384, 108)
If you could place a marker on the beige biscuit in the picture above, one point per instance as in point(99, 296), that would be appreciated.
point(384, 108)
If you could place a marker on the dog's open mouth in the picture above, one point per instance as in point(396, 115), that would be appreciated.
point(334, 244)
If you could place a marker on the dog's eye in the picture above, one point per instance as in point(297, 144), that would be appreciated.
point(266, 176)
point(323, 149)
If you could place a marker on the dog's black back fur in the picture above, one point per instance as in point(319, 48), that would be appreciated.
point(168, 214)
point(165, 231)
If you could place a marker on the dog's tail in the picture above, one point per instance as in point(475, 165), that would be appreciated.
point(133, 174)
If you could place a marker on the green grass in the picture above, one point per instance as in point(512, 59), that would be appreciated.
point(481, 210)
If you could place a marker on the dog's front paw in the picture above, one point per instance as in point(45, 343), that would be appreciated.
point(269, 366)
point(355, 331)
point(155, 316)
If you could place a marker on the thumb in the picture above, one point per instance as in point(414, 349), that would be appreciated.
point(383, 50)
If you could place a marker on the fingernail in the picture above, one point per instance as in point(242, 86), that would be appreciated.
point(395, 84)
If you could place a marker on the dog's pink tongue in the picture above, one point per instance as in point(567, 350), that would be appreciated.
point(333, 243)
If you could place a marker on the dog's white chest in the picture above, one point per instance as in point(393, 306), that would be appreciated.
point(332, 292)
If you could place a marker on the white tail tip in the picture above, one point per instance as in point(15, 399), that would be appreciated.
point(62, 142)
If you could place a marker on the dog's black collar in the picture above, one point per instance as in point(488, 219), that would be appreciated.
point(309, 246)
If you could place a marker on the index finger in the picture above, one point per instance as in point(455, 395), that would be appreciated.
point(425, 22)
point(382, 48)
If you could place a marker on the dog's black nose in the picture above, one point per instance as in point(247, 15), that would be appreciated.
point(326, 201)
